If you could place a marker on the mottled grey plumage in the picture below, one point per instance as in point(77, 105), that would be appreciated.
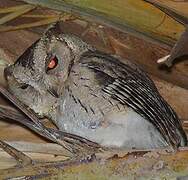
point(93, 94)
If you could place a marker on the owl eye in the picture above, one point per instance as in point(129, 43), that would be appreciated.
point(24, 86)
point(52, 63)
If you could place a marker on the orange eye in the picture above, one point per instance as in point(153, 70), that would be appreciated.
point(53, 63)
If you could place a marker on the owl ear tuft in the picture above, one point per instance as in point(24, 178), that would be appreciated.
point(53, 30)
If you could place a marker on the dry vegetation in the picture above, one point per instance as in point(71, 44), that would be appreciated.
point(45, 159)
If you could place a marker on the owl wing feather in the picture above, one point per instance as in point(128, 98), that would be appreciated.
point(130, 86)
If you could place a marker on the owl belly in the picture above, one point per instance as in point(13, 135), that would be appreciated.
point(129, 130)
point(110, 126)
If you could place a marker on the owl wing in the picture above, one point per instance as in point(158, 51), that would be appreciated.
point(130, 86)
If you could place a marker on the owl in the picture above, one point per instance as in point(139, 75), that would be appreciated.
point(106, 99)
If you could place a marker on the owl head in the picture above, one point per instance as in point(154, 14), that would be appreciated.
point(38, 76)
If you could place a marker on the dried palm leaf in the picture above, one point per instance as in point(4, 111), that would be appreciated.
point(17, 11)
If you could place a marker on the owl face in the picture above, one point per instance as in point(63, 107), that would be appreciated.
point(38, 76)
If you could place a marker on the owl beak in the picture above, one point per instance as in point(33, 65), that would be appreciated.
point(53, 92)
